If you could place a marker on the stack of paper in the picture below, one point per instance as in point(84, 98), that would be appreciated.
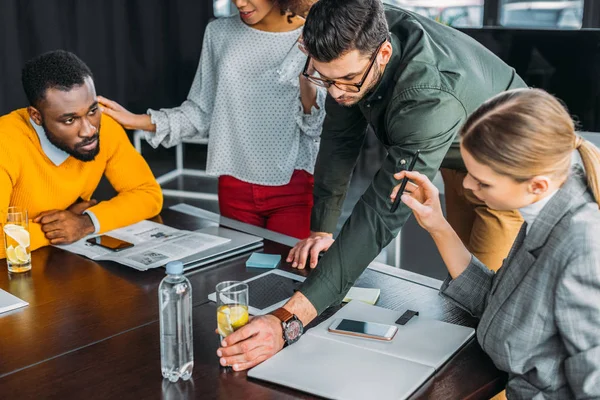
point(9, 302)
point(366, 295)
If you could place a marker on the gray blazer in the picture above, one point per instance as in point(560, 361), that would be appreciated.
point(540, 313)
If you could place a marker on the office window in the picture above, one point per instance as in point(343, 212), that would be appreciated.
point(543, 14)
point(457, 13)
point(223, 8)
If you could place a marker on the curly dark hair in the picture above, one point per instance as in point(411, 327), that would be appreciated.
point(290, 15)
point(296, 7)
point(57, 69)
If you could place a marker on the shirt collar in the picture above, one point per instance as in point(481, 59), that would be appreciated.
point(56, 155)
point(531, 211)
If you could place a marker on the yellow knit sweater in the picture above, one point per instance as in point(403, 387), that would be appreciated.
point(30, 180)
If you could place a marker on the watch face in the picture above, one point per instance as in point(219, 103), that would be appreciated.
point(293, 330)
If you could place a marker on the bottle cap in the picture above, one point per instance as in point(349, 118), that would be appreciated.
point(175, 268)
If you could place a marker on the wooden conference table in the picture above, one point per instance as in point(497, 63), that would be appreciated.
point(91, 331)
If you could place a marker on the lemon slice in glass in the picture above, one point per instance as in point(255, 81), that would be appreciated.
point(22, 255)
point(223, 325)
point(231, 318)
point(238, 316)
point(18, 233)
point(11, 255)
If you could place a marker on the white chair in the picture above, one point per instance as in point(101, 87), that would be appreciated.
point(179, 170)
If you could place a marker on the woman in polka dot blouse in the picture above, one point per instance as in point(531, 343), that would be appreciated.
point(263, 120)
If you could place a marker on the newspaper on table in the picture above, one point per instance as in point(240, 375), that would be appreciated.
point(154, 245)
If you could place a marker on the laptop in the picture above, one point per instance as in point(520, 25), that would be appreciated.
point(239, 243)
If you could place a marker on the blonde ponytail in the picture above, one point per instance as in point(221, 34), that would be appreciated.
point(590, 155)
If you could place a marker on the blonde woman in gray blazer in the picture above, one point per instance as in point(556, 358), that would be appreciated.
point(540, 313)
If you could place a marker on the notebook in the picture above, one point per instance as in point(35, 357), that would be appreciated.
point(366, 295)
point(9, 302)
point(345, 367)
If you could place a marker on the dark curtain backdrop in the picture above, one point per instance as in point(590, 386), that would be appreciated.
point(143, 53)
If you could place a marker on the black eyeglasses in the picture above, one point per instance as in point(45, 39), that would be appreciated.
point(346, 87)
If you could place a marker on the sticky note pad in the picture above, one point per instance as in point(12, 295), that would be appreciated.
point(261, 260)
point(366, 295)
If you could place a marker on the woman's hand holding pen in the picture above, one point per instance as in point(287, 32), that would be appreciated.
point(423, 198)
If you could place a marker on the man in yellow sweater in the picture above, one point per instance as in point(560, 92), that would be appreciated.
point(54, 153)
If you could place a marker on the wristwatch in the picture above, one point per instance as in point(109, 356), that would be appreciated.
point(292, 327)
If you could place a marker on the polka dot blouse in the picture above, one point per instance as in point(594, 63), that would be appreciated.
point(245, 99)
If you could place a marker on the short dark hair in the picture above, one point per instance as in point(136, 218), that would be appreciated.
point(57, 69)
point(335, 27)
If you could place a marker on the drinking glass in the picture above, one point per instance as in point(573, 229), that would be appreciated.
point(232, 307)
point(15, 225)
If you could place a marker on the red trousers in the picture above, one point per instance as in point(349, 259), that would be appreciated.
point(285, 209)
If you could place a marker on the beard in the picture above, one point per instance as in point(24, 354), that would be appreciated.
point(351, 101)
point(75, 151)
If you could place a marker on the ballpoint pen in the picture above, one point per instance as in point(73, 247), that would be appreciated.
point(404, 182)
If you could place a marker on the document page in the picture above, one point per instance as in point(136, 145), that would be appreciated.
point(154, 245)
point(9, 302)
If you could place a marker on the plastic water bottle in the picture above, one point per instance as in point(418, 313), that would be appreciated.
point(176, 339)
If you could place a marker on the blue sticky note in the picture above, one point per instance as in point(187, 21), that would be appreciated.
point(262, 260)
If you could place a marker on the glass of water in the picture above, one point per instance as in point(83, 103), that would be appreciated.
point(15, 228)
point(232, 307)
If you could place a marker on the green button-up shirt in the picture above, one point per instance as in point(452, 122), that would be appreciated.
point(436, 77)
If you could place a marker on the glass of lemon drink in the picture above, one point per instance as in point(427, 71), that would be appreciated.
point(232, 307)
point(15, 228)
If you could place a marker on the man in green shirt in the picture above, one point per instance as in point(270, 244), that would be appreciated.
point(415, 82)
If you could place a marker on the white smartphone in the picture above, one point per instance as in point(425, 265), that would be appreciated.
point(370, 330)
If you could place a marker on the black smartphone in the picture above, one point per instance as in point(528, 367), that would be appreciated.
point(110, 243)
